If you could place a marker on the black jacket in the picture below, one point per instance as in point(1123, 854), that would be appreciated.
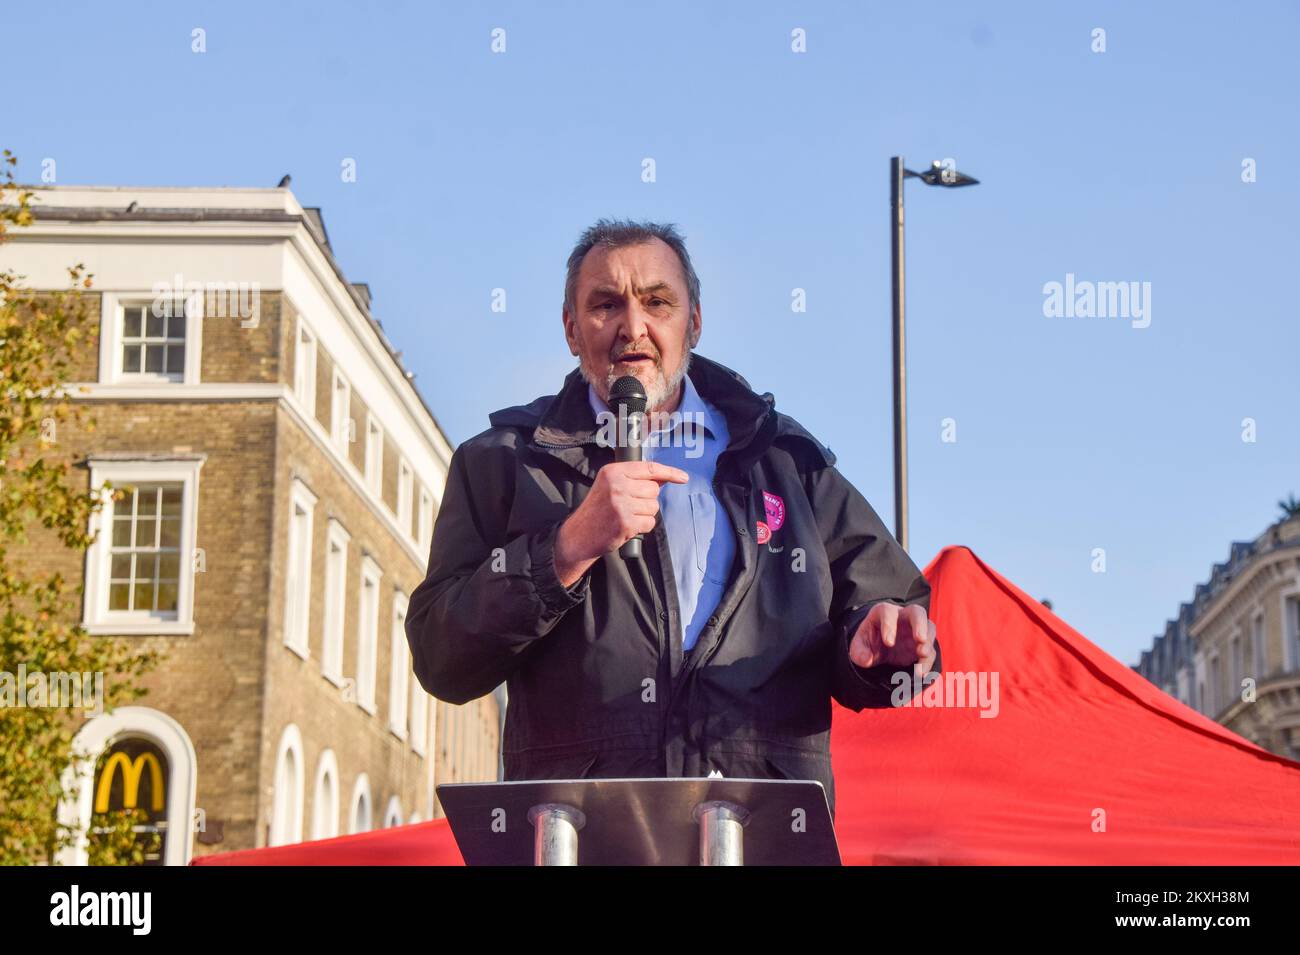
point(597, 682)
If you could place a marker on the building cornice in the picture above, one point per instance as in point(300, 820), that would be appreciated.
point(235, 223)
point(1243, 577)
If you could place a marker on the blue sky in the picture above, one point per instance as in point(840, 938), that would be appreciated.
point(478, 171)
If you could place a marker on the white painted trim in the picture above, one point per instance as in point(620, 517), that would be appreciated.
point(297, 633)
point(334, 606)
point(1198, 683)
point(304, 365)
point(201, 391)
point(1289, 640)
point(1215, 670)
point(97, 735)
point(96, 616)
point(424, 540)
point(316, 431)
point(419, 712)
point(368, 635)
point(325, 804)
point(365, 336)
point(287, 793)
point(405, 497)
point(1259, 647)
point(111, 336)
point(373, 457)
point(161, 629)
point(393, 812)
point(1218, 604)
point(306, 420)
point(298, 259)
point(1236, 648)
point(342, 428)
point(361, 795)
point(399, 668)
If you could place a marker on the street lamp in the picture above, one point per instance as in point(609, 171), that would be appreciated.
point(939, 174)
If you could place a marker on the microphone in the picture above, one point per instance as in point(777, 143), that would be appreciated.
point(627, 398)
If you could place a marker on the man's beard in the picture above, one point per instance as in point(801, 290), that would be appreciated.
point(659, 390)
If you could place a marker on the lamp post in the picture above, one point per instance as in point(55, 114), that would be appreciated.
point(937, 175)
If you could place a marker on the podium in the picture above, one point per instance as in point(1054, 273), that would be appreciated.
point(680, 821)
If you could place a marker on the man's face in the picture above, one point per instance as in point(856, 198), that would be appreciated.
point(632, 317)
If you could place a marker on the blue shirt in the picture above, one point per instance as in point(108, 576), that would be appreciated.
point(701, 539)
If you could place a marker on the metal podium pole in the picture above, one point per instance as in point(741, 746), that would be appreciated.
point(555, 840)
point(722, 827)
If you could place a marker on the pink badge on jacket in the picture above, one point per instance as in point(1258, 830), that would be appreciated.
point(775, 508)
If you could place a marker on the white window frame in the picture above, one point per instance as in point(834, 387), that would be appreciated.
point(360, 802)
point(287, 791)
point(297, 577)
point(1215, 683)
point(1290, 630)
point(341, 426)
point(1236, 661)
point(325, 797)
point(374, 456)
point(112, 335)
point(368, 634)
point(99, 733)
point(96, 617)
point(405, 492)
point(1259, 646)
point(399, 666)
point(424, 536)
point(304, 368)
point(419, 719)
point(393, 813)
point(334, 606)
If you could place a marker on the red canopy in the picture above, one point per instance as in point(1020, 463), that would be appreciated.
point(1077, 760)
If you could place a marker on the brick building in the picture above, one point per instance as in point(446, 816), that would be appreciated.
point(283, 478)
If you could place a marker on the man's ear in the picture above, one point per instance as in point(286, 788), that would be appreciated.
point(568, 333)
point(697, 326)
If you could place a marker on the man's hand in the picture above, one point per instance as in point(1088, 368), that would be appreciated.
point(893, 634)
point(623, 502)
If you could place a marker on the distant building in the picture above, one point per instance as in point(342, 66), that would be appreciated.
point(1233, 652)
point(283, 479)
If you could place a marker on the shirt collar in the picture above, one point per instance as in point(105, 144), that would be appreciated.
point(692, 408)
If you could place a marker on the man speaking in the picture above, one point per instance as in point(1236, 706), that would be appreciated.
point(765, 587)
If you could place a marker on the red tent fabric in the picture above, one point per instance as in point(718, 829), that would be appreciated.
point(1084, 763)
point(1077, 733)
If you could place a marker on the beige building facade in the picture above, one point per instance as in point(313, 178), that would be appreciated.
point(1233, 652)
point(282, 477)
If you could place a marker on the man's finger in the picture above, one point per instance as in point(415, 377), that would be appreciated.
point(866, 642)
point(654, 471)
point(642, 488)
point(918, 623)
point(888, 624)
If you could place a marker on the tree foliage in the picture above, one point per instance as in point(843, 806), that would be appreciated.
point(42, 507)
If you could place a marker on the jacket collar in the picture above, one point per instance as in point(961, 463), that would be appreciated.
point(564, 424)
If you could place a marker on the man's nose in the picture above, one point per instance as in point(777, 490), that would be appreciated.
point(635, 324)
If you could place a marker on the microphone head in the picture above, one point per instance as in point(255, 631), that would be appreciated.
point(628, 393)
